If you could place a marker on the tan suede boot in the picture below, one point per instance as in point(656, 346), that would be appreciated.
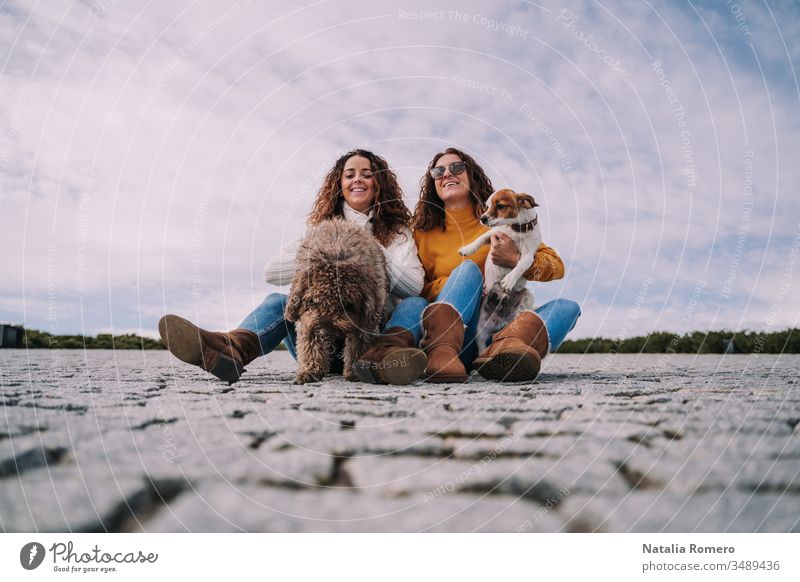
point(392, 359)
point(516, 351)
point(443, 340)
point(223, 354)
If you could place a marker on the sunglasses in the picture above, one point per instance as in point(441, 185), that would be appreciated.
point(455, 169)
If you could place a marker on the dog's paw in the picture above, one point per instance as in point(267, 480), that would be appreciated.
point(350, 376)
point(305, 378)
point(508, 282)
point(466, 251)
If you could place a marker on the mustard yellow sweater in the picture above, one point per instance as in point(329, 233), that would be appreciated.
point(438, 252)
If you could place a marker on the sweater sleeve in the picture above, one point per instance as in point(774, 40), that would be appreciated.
point(405, 272)
point(547, 265)
point(279, 270)
point(432, 289)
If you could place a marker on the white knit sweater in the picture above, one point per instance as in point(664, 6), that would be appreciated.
point(403, 268)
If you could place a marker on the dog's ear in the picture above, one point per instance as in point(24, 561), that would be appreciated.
point(488, 204)
point(526, 201)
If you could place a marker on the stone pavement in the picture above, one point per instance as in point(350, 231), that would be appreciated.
point(138, 441)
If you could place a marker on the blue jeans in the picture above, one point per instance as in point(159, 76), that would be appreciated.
point(268, 323)
point(463, 291)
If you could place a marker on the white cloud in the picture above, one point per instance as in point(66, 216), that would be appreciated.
point(150, 144)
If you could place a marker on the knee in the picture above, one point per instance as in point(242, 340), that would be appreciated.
point(568, 307)
point(467, 267)
point(469, 272)
point(275, 300)
point(412, 304)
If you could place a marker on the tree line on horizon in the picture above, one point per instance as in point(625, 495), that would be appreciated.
point(660, 342)
point(35, 339)
point(786, 341)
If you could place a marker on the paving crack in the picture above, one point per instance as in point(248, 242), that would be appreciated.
point(32, 459)
point(259, 437)
point(339, 475)
point(635, 478)
point(155, 421)
point(128, 514)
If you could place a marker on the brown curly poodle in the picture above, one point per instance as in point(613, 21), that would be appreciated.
point(338, 291)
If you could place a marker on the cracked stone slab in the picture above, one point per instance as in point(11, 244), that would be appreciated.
point(729, 511)
point(131, 441)
point(69, 498)
point(221, 507)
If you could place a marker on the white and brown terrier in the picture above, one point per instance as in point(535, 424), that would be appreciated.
point(505, 291)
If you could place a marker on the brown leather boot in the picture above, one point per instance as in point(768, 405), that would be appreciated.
point(516, 351)
point(443, 340)
point(392, 359)
point(223, 354)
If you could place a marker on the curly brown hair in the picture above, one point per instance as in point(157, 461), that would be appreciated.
point(429, 212)
point(391, 213)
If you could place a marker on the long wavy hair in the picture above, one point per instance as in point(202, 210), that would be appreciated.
point(391, 213)
point(429, 212)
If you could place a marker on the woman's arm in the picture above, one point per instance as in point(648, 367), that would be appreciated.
point(405, 272)
point(280, 268)
point(547, 265)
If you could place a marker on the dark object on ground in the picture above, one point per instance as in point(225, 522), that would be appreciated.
point(11, 335)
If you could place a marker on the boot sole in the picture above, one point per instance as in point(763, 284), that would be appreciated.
point(440, 378)
point(399, 368)
point(183, 340)
point(509, 367)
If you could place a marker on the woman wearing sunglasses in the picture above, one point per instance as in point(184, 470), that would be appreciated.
point(444, 319)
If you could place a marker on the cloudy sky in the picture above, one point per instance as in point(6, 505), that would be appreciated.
point(154, 155)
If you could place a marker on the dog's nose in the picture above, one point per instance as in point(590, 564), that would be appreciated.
point(484, 219)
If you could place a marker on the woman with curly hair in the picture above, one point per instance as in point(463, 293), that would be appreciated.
point(360, 188)
point(453, 194)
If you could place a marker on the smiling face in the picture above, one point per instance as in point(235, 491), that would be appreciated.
point(453, 190)
point(359, 186)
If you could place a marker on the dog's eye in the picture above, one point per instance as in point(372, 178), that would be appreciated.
point(499, 206)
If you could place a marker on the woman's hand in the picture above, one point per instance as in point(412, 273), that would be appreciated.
point(504, 253)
